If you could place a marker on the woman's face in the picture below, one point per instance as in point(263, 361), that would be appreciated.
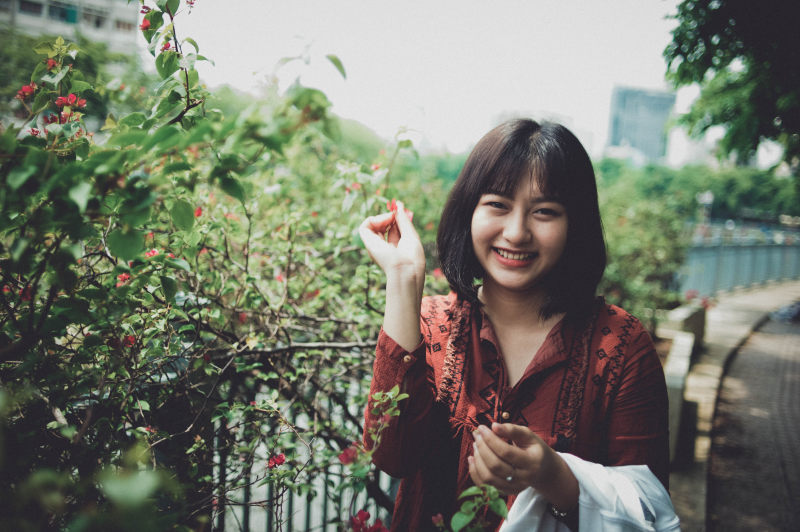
point(518, 240)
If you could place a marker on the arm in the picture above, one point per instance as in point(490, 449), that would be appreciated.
point(394, 245)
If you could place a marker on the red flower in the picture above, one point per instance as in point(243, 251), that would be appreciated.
point(26, 293)
point(280, 278)
point(202, 251)
point(198, 212)
point(348, 456)
point(165, 46)
point(71, 99)
point(355, 186)
point(33, 131)
point(376, 166)
point(314, 214)
point(145, 25)
point(437, 273)
point(150, 429)
point(152, 253)
point(6, 289)
point(252, 403)
point(51, 64)
point(149, 235)
point(242, 317)
point(26, 91)
point(437, 520)
point(129, 340)
point(275, 461)
point(123, 278)
point(171, 255)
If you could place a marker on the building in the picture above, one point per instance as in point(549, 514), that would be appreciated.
point(114, 22)
point(638, 123)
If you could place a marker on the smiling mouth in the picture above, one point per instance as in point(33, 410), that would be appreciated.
point(514, 256)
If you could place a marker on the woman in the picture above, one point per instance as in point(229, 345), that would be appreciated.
point(520, 368)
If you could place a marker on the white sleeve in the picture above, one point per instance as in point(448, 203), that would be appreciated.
point(612, 499)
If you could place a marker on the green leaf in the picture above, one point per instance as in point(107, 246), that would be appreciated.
point(172, 6)
point(193, 43)
point(144, 405)
point(182, 215)
point(170, 287)
point(499, 507)
point(338, 64)
point(80, 195)
point(125, 245)
point(167, 63)
point(459, 521)
point(471, 492)
point(179, 264)
point(133, 119)
point(78, 86)
point(18, 176)
point(232, 187)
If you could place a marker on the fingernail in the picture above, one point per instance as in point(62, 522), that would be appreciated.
point(476, 435)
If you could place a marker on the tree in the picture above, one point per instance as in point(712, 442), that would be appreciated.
point(744, 55)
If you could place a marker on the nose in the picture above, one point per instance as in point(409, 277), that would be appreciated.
point(516, 230)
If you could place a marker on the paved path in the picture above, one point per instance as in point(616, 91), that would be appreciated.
point(728, 325)
point(754, 466)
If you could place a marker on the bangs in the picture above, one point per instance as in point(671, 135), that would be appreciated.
point(527, 158)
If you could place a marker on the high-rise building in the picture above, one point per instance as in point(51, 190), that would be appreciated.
point(638, 122)
point(114, 22)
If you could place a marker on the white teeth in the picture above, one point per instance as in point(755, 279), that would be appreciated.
point(513, 256)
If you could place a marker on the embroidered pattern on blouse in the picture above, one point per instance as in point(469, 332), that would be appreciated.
point(570, 395)
point(455, 357)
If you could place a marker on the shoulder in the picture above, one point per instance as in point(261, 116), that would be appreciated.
point(615, 323)
point(441, 307)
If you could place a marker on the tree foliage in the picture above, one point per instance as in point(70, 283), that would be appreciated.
point(744, 55)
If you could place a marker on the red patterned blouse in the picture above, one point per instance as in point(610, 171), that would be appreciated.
point(595, 390)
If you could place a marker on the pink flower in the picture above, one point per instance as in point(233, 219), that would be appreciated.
point(280, 278)
point(349, 455)
point(145, 25)
point(198, 212)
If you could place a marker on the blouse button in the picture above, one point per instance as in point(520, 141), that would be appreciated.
point(505, 415)
point(407, 359)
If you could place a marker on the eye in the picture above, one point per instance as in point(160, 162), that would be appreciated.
point(547, 211)
point(496, 204)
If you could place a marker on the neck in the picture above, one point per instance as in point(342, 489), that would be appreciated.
point(512, 307)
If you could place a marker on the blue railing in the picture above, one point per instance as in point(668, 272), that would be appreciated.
point(724, 267)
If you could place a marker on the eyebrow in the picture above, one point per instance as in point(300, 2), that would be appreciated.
point(535, 199)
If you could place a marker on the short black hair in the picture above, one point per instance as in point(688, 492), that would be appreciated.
point(559, 165)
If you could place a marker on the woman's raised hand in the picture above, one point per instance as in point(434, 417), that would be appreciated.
point(393, 243)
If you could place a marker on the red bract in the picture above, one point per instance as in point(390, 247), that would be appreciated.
point(145, 25)
point(198, 212)
point(349, 455)
point(275, 461)
point(129, 340)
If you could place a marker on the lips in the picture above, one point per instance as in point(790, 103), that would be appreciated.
point(511, 255)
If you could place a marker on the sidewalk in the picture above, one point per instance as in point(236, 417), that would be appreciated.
point(728, 325)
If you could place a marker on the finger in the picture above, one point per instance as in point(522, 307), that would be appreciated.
point(489, 451)
point(520, 435)
point(403, 220)
point(505, 452)
point(481, 472)
point(378, 224)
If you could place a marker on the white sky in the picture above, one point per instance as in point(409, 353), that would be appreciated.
point(448, 70)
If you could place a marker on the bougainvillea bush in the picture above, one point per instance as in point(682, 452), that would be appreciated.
point(187, 315)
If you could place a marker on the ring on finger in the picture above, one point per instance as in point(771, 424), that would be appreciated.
point(510, 476)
